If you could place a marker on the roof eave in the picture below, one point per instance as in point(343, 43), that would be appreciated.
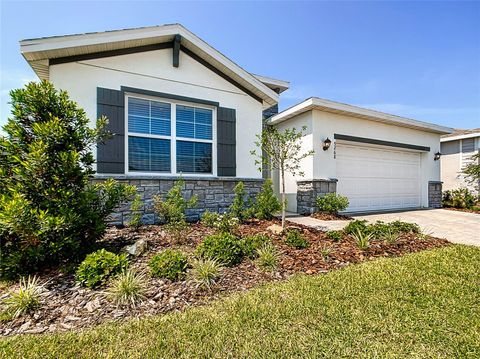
point(460, 137)
point(336, 107)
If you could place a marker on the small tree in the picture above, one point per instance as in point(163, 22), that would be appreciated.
point(472, 171)
point(49, 210)
point(281, 151)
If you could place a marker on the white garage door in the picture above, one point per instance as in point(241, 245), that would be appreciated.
point(376, 178)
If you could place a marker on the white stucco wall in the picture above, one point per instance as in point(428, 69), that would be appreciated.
point(153, 71)
point(323, 164)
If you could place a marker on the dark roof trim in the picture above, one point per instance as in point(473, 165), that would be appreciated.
point(380, 142)
point(218, 72)
point(168, 96)
point(118, 52)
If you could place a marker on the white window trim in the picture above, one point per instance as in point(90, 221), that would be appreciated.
point(173, 138)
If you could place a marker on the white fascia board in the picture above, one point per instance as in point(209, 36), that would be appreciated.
point(284, 85)
point(337, 107)
point(72, 41)
point(460, 137)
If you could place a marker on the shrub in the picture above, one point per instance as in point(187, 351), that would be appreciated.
point(238, 207)
point(25, 300)
point(405, 227)
point(325, 252)
point(224, 247)
point(49, 211)
point(205, 272)
point(362, 239)
point(136, 207)
point(459, 198)
point(99, 266)
point(335, 235)
point(128, 288)
point(267, 202)
point(267, 257)
point(332, 203)
point(296, 239)
point(170, 264)
point(226, 223)
point(355, 226)
point(250, 244)
point(381, 229)
point(390, 236)
point(172, 209)
point(208, 218)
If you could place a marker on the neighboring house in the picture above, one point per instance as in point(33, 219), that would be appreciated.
point(176, 105)
point(179, 107)
point(379, 161)
point(457, 150)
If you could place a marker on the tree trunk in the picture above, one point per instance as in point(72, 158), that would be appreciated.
point(283, 199)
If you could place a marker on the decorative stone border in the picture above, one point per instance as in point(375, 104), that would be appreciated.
point(309, 190)
point(214, 194)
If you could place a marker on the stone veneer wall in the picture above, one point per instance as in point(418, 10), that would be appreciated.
point(309, 190)
point(435, 194)
point(216, 195)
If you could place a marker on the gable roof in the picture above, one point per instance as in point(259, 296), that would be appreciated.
point(316, 103)
point(41, 52)
point(459, 134)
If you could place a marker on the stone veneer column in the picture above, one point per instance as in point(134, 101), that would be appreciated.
point(309, 190)
point(435, 194)
point(216, 195)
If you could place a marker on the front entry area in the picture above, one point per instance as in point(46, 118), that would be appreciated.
point(378, 178)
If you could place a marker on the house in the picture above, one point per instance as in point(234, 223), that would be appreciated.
point(379, 161)
point(178, 107)
point(457, 149)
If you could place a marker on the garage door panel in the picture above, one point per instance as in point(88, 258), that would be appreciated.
point(376, 179)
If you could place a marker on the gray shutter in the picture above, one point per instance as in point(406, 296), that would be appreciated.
point(111, 154)
point(226, 142)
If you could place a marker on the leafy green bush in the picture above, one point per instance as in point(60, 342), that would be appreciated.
point(335, 235)
point(239, 208)
point(355, 226)
point(49, 210)
point(459, 198)
point(332, 203)
point(99, 266)
point(267, 257)
point(296, 239)
point(226, 223)
point(267, 203)
point(224, 247)
point(208, 218)
point(136, 208)
point(205, 272)
point(250, 244)
point(128, 288)
point(25, 300)
point(171, 264)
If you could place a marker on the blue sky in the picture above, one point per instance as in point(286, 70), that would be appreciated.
point(414, 59)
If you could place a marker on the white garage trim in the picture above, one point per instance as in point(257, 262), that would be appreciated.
point(378, 178)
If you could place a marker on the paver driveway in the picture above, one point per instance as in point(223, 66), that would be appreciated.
point(455, 226)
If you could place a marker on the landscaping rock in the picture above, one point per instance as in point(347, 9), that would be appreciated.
point(275, 228)
point(138, 248)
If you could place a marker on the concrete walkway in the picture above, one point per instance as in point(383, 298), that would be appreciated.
point(455, 226)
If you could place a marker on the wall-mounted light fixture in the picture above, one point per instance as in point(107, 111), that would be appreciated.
point(437, 156)
point(326, 144)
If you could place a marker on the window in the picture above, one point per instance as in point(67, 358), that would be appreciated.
point(169, 137)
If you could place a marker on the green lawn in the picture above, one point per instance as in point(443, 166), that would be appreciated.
point(421, 305)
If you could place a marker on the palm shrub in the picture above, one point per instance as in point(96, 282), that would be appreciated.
point(128, 288)
point(100, 266)
point(267, 257)
point(205, 272)
point(332, 203)
point(362, 239)
point(25, 300)
point(267, 203)
point(49, 210)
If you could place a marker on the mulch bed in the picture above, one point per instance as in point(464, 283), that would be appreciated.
point(66, 306)
point(462, 210)
point(330, 217)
